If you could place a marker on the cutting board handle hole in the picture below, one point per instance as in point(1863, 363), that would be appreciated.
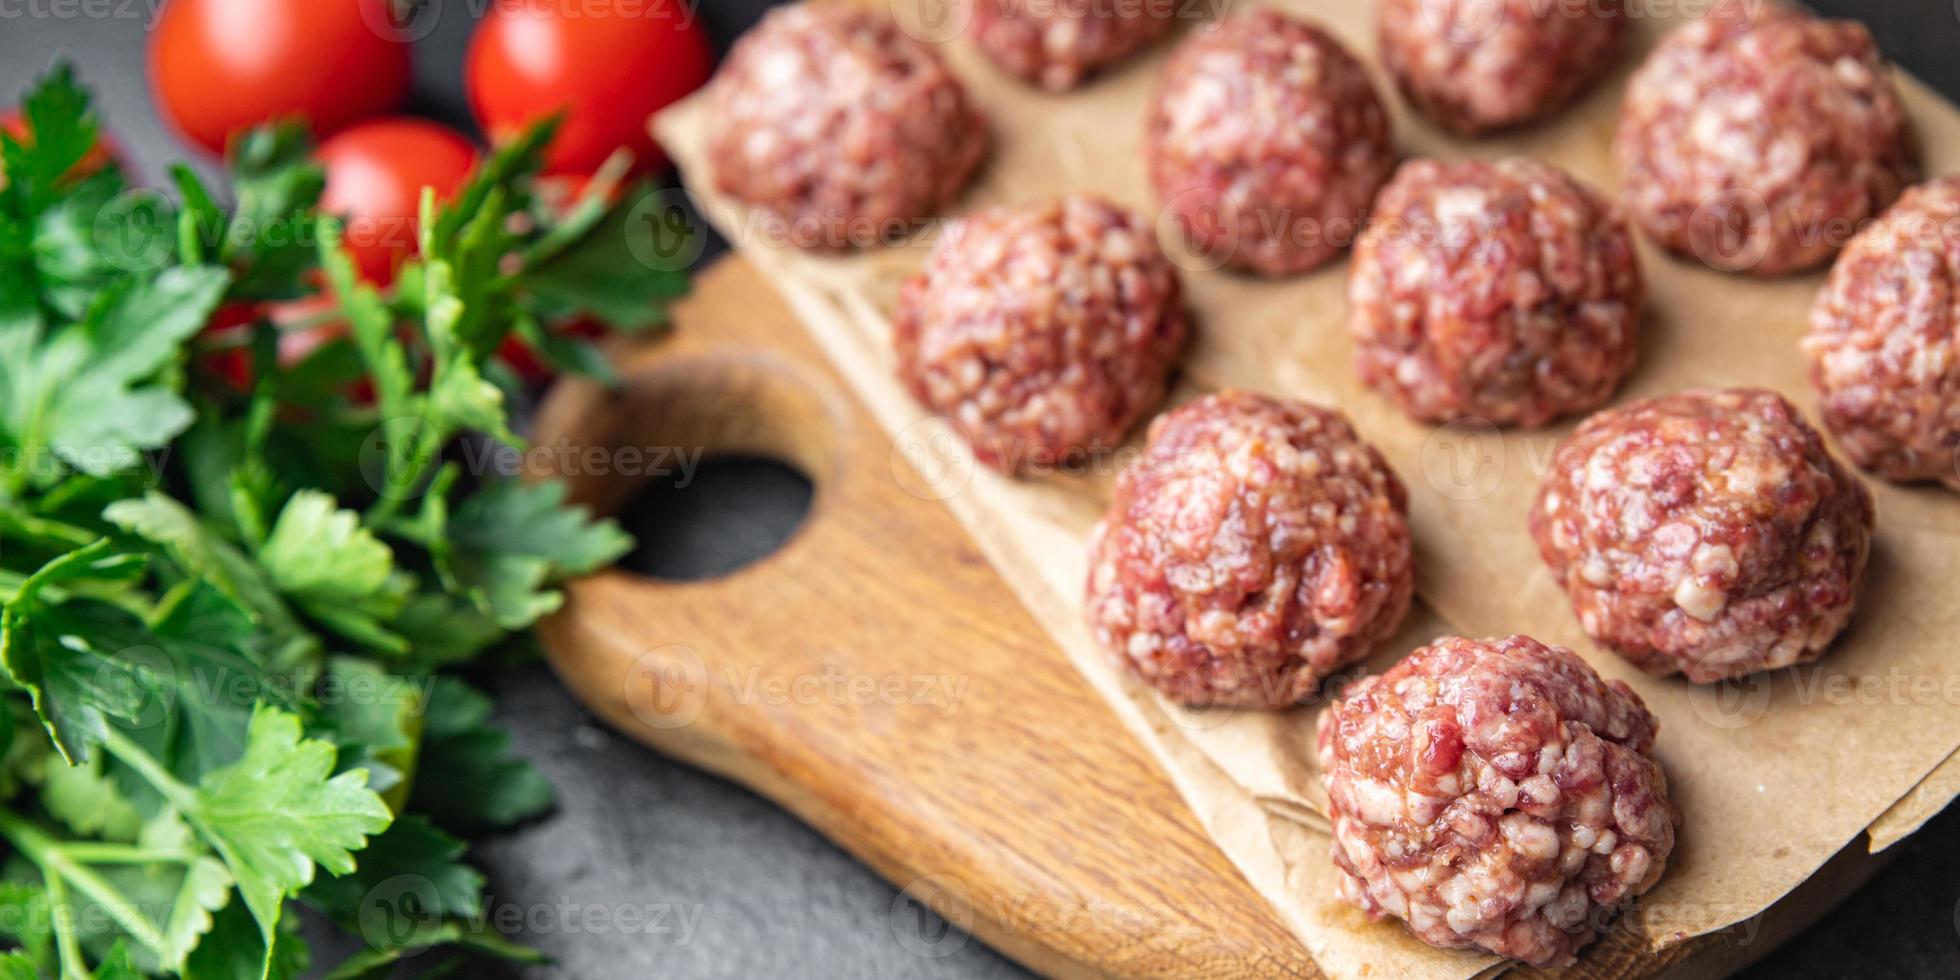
point(713, 458)
point(714, 517)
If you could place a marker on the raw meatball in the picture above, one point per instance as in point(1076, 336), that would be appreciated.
point(1885, 340)
point(1759, 146)
point(1045, 332)
point(1056, 44)
point(1507, 291)
point(1474, 67)
point(1707, 532)
point(1495, 794)
point(1257, 547)
point(841, 128)
point(1267, 142)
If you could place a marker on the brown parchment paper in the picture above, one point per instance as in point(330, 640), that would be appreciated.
point(1774, 774)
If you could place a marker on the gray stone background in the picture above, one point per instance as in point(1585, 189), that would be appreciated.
point(734, 886)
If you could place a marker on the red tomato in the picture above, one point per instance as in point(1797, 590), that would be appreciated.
point(607, 64)
point(105, 155)
point(375, 175)
point(218, 67)
point(525, 363)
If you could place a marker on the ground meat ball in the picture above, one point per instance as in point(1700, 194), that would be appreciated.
point(1045, 332)
point(1056, 44)
point(1474, 66)
point(1495, 794)
point(1760, 146)
point(1267, 142)
point(1707, 532)
point(1257, 547)
point(841, 128)
point(1507, 291)
point(1885, 340)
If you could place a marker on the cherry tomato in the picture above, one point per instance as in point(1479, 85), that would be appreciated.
point(218, 67)
point(375, 175)
point(607, 64)
point(525, 363)
point(105, 155)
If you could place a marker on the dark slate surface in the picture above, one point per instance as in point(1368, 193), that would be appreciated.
point(651, 869)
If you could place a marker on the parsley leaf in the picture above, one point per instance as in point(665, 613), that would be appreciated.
point(27, 918)
point(203, 681)
point(321, 558)
point(18, 966)
point(442, 631)
point(510, 540)
point(167, 881)
point(142, 331)
point(278, 811)
point(200, 551)
point(234, 949)
point(88, 801)
point(278, 185)
point(68, 655)
point(372, 327)
point(82, 393)
point(375, 964)
point(64, 130)
point(158, 892)
point(467, 781)
point(375, 718)
point(410, 881)
point(318, 553)
point(612, 283)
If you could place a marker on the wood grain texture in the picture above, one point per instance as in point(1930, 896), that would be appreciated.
point(876, 678)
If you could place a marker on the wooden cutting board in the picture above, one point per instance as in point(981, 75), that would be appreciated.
point(877, 679)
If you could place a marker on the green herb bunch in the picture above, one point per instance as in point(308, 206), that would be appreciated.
point(230, 619)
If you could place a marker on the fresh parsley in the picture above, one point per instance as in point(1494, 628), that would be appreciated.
point(230, 615)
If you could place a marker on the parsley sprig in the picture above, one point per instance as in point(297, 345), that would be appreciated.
point(230, 619)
